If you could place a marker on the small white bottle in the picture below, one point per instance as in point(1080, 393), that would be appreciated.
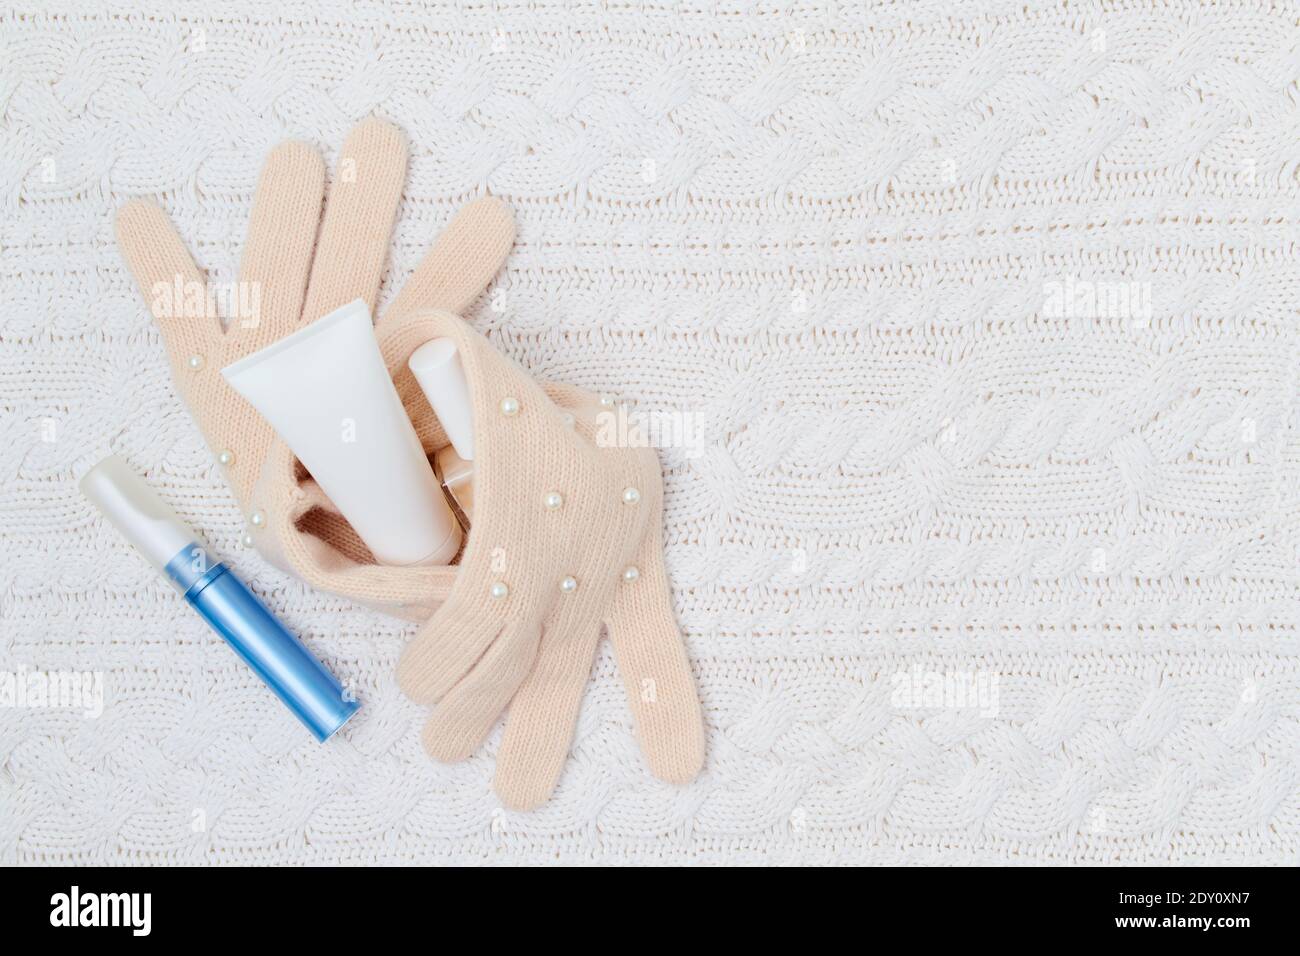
point(437, 368)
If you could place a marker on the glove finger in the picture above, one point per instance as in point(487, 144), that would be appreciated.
point(461, 263)
point(470, 708)
point(281, 239)
point(539, 729)
point(656, 672)
point(168, 279)
point(465, 716)
point(359, 215)
point(448, 645)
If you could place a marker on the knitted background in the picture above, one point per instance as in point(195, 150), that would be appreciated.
point(970, 568)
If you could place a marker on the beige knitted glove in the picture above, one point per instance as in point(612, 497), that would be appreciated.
point(274, 295)
point(535, 643)
point(567, 536)
point(287, 279)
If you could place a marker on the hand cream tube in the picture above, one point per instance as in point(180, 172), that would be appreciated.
point(220, 598)
point(327, 393)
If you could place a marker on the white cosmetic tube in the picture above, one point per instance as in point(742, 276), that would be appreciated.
point(442, 379)
point(327, 393)
point(437, 368)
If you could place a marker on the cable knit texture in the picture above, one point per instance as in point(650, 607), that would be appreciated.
point(970, 569)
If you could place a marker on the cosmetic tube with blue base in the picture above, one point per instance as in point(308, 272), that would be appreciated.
point(221, 599)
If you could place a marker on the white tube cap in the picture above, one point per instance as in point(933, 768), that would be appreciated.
point(442, 379)
point(136, 511)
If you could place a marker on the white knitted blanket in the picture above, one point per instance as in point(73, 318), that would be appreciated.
point(978, 322)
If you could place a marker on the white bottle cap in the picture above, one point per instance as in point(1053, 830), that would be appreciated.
point(135, 509)
point(441, 377)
